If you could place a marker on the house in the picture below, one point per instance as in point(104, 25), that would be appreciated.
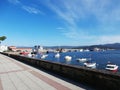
point(3, 48)
point(20, 49)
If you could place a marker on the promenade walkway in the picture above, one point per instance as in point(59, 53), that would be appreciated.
point(15, 75)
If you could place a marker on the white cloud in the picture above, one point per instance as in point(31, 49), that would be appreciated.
point(109, 39)
point(14, 1)
point(105, 12)
point(60, 28)
point(73, 12)
point(29, 9)
point(32, 10)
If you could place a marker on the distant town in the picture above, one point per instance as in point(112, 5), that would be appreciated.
point(115, 46)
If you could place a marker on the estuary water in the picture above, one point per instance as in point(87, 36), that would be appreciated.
point(100, 57)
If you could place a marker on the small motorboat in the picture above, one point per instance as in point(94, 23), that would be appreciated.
point(57, 55)
point(43, 56)
point(24, 53)
point(68, 58)
point(82, 59)
point(111, 67)
point(90, 64)
point(29, 55)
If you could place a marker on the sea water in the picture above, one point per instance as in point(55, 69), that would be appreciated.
point(100, 57)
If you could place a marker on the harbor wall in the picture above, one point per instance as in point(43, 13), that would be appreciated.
point(100, 79)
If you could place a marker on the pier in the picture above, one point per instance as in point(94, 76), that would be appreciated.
point(15, 75)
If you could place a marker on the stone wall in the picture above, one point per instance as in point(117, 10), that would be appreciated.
point(97, 78)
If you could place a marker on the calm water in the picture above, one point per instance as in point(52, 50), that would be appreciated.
point(101, 58)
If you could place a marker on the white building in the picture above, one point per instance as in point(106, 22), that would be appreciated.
point(3, 48)
point(38, 49)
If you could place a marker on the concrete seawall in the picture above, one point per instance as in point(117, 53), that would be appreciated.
point(96, 78)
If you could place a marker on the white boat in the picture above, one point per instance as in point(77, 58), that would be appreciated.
point(57, 55)
point(82, 59)
point(29, 55)
point(68, 58)
point(90, 64)
point(112, 67)
point(43, 56)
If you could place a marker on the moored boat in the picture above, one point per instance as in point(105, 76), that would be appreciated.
point(90, 64)
point(57, 55)
point(43, 56)
point(82, 59)
point(68, 58)
point(112, 67)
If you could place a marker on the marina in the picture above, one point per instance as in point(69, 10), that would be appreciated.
point(98, 58)
point(76, 57)
point(77, 41)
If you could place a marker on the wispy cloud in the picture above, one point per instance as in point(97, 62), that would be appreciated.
point(102, 14)
point(109, 39)
point(14, 1)
point(90, 20)
point(60, 28)
point(28, 8)
point(32, 10)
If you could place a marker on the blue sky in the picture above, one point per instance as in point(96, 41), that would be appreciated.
point(59, 22)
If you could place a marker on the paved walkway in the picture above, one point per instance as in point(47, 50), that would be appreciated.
point(15, 75)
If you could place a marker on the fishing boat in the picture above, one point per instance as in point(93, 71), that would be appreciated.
point(90, 64)
point(111, 67)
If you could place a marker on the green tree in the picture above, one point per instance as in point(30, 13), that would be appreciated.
point(2, 38)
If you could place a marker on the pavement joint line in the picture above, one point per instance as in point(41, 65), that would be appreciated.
point(23, 81)
point(12, 81)
point(47, 80)
point(11, 71)
point(34, 71)
point(51, 82)
point(1, 87)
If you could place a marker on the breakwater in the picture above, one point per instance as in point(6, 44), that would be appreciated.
point(99, 79)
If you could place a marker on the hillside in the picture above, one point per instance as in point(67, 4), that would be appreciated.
point(104, 46)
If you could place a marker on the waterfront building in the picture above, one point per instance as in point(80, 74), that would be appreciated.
point(37, 49)
point(20, 49)
point(3, 48)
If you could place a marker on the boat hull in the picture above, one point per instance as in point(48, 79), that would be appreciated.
point(90, 65)
point(112, 67)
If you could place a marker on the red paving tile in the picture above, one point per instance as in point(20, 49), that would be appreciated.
point(45, 78)
point(1, 88)
point(51, 82)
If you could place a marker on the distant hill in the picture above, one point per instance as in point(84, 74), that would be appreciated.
point(102, 46)
point(114, 46)
point(57, 47)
